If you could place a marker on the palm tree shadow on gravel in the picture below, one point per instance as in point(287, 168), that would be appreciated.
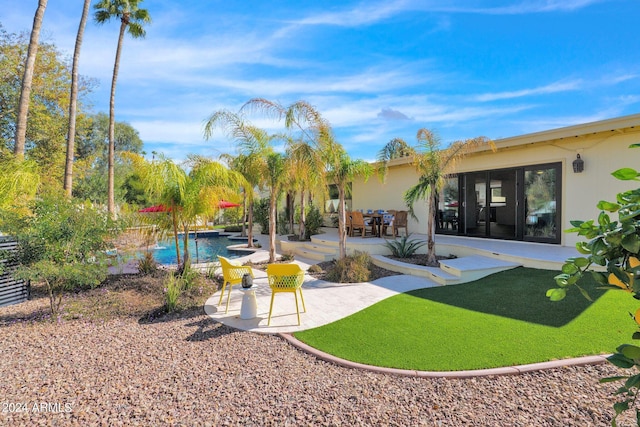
point(208, 329)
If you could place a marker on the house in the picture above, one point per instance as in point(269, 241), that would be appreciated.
point(529, 189)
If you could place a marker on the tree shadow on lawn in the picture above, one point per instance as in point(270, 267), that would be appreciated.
point(517, 294)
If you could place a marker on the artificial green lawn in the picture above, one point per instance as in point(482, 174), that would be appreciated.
point(502, 320)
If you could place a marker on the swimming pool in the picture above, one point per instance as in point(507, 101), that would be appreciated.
point(209, 246)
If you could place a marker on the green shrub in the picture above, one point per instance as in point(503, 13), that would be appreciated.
point(288, 256)
point(313, 222)
point(403, 247)
point(351, 269)
point(315, 268)
point(233, 229)
point(62, 243)
point(261, 214)
point(282, 224)
point(173, 287)
point(147, 264)
point(189, 277)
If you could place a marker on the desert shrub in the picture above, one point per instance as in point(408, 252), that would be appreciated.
point(403, 247)
point(351, 269)
point(315, 268)
point(313, 222)
point(147, 264)
point(288, 256)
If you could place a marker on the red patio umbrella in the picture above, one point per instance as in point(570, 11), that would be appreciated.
point(157, 208)
point(224, 204)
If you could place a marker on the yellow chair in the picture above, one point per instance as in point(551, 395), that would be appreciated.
point(285, 278)
point(232, 275)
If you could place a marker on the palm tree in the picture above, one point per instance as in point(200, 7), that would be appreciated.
point(306, 175)
point(242, 164)
point(341, 172)
point(73, 101)
point(432, 165)
point(256, 152)
point(25, 93)
point(132, 19)
point(317, 132)
point(253, 145)
point(186, 196)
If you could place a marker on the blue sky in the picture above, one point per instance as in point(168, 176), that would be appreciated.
point(375, 69)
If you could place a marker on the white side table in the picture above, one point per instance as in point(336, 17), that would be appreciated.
point(249, 307)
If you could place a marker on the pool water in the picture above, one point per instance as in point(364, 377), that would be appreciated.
point(208, 248)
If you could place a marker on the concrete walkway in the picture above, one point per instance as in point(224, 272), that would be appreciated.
point(326, 302)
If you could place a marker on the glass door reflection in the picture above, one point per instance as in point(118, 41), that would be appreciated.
point(541, 203)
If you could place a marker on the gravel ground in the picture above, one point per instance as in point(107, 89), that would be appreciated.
point(188, 370)
point(193, 371)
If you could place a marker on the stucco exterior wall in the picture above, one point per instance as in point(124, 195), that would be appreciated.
point(602, 152)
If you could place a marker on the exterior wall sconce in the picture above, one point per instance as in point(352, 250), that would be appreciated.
point(578, 164)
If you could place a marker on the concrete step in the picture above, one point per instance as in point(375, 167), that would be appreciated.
point(474, 267)
point(451, 271)
point(434, 273)
point(313, 254)
point(317, 247)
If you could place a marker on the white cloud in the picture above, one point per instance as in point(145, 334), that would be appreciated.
point(550, 88)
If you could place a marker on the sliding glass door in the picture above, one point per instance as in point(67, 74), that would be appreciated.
point(541, 201)
point(517, 203)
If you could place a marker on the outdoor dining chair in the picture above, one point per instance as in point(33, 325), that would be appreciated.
point(232, 275)
point(387, 223)
point(358, 223)
point(400, 221)
point(285, 278)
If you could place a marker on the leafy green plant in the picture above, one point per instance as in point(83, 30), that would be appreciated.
point(287, 256)
point(403, 247)
point(147, 264)
point(261, 215)
point(351, 269)
point(313, 222)
point(614, 247)
point(172, 290)
point(62, 243)
point(189, 277)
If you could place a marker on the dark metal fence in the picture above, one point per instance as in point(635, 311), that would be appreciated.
point(12, 291)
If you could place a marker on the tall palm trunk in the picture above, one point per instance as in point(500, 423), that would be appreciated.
point(431, 231)
point(342, 223)
point(27, 79)
point(111, 204)
point(250, 225)
point(174, 220)
point(73, 102)
point(303, 217)
point(273, 203)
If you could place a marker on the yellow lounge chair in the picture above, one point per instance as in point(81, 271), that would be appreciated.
point(285, 278)
point(232, 275)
